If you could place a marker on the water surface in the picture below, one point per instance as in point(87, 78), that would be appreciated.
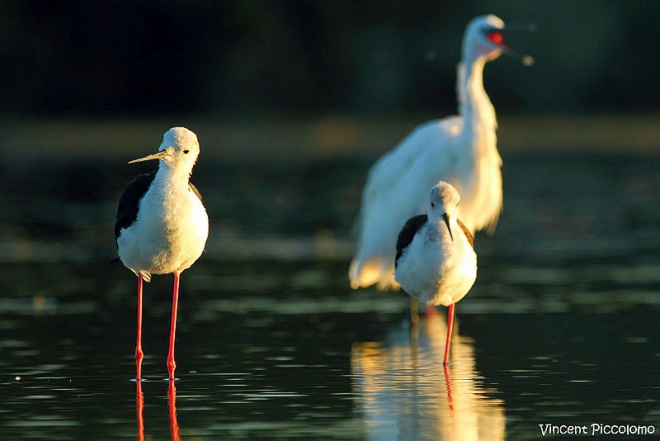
point(560, 328)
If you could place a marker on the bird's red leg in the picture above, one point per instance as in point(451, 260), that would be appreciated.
point(139, 355)
point(450, 325)
point(171, 365)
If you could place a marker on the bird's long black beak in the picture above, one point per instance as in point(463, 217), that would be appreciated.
point(526, 59)
point(446, 219)
point(159, 155)
point(529, 27)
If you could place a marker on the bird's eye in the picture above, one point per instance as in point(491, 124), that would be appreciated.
point(432, 204)
point(495, 37)
point(185, 152)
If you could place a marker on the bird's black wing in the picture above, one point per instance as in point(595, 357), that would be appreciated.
point(130, 201)
point(467, 232)
point(407, 234)
point(194, 190)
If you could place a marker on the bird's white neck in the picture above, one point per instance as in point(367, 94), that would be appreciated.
point(483, 190)
point(474, 105)
point(172, 176)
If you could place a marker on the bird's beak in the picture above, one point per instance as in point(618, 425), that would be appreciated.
point(160, 155)
point(526, 60)
point(529, 27)
point(446, 219)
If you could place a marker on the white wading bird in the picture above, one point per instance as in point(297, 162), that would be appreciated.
point(162, 225)
point(435, 258)
point(460, 149)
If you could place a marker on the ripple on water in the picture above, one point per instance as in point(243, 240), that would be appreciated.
point(43, 421)
point(354, 304)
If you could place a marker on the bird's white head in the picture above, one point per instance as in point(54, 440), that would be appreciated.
point(179, 149)
point(484, 37)
point(443, 204)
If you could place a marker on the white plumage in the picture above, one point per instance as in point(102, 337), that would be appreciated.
point(435, 258)
point(436, 261)
point(461, 150)
point(171, 228)
point(162, 225)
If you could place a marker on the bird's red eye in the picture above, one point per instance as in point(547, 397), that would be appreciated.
point(496, 37)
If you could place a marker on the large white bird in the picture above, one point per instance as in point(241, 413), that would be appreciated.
point(461, 150)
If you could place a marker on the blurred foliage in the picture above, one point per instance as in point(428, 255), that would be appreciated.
point(296, 56)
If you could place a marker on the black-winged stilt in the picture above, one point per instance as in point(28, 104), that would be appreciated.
point(435, 258)
point(461, 150)
point(162, 225)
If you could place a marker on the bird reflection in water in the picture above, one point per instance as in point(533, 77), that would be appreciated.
point(171, 405)
point(405, 392)
point(139, 406)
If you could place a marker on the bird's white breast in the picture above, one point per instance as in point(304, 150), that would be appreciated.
point(436, 269)
point(169, 233)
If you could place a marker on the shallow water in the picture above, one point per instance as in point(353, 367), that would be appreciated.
point(560, 328)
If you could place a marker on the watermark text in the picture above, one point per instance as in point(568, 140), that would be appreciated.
point(595, 429)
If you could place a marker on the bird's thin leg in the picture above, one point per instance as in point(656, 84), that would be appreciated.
point(139, 355)
point(450, 325)
point(171, 365)
point(414, 312)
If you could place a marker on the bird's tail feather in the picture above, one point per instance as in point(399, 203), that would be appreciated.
point(373, 271)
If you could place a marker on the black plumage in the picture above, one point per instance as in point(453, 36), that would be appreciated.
point(194, 190)
point(407, 234)
point(130, 201)
point(468, 235)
